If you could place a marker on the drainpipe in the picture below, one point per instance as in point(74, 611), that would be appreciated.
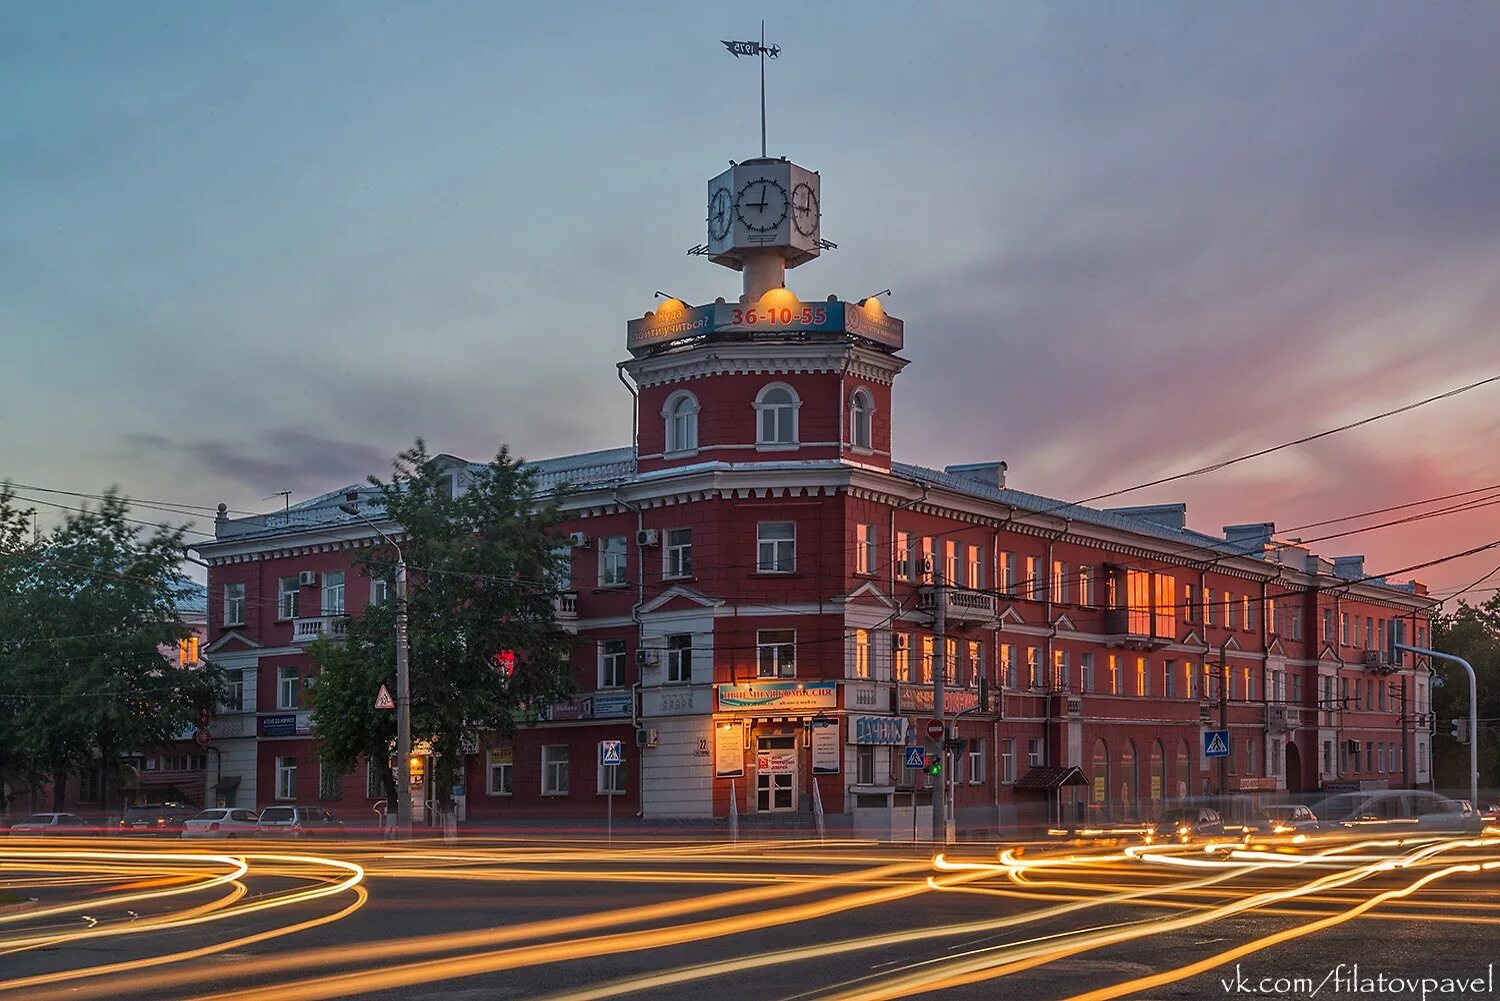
point(635, 417)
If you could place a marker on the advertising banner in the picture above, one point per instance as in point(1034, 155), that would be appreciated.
point(777, 696)
point(918, 699)
point(729, 750)
point(776, 762)
point(825, 747)
point(885, 731)
point(676, 321)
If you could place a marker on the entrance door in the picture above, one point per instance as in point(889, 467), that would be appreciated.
point(776, 774)
point(1293, 767)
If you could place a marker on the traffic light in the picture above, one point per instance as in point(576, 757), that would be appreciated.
point(934, 765)
point(505, 663)
point(1460, 730)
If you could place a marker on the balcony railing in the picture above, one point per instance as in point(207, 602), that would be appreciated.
point(960, 604)
point(333, 627)
point(565, 606)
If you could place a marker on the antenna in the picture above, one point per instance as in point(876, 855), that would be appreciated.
point(286, 499)
point(762, 50)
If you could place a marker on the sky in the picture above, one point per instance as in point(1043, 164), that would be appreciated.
point(255, 248)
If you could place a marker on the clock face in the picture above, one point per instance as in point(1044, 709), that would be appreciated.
point(719, 208)
point(805, 209)
point(762, 205)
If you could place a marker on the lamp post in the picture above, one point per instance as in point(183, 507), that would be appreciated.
point(403, 683)
point(1473, 711)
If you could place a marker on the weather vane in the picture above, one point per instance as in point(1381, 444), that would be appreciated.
point(762, 50)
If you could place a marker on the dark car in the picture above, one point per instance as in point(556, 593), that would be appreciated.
point(299, 822)
point(1187, 822)
point(156, 818)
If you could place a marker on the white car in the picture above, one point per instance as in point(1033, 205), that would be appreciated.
point(1412, 808)
point(221, 822)
point(56, 824)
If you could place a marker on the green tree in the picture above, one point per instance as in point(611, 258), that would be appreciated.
point(482, 568)
point(96, 605)
point(15, 564)
point(1473, 633)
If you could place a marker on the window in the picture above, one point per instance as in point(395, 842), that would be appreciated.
point(1140, 677)
point(1059, 582)
point(1327, 633)
point(903, 556)
point(1035, 586)
point(610, 780)
point(776, 546)
point(1114, 674)
point(976, 761)
point(1273, 624)
point(1328, 756)
point(1060, 670)
point(864, 549)
point(1166, 606)
point(1245, 602)
point(1189, 680)
point(1086, 673)
point(861, 653)
point(679, 553)
point(1034, 752)
point(234, 604)
point(1189, 605)
point(925, 571)
point(330, 782)
point(1169, 680)
point(286, 778)
point(612, 561)
point(1296, 614)
point(681, 415)
point(926, 678)
point(952, 561)
point(1086, 586)
point(380, 591)
point(976, 663)
point(1230, 609)
point(286, 687)
point(1008, 665)
point(901, 655)
point(1344, 632)
point(861, 408)
point(1208, 607)
point(286, 598)
point(680, 659)
point(864, 765)
point(950, 661)
point(333, 592)
point(498, 774)
point(1034, 677)
point(777, 416)
point(611, 663)
point(554, 770)
point(976, 567)
point(234, 692)
point(1008, 760)
point(1250, 768)
point(187, 651)
point(776, 653)
point(1008, 573)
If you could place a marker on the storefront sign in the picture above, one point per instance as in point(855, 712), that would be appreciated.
point(283, 725)
point(569, 710)
point(676, 321)
point(1099, 789)
point(775, 762)
point(825, 747)
point(729, 749)
point(1253, 783)
point(918, 699)
point(502, 756)
point(1155, 788)
point(778, 696)
point(610, 704)
point(886, 731)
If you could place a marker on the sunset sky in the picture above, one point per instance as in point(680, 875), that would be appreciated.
point(256, 248)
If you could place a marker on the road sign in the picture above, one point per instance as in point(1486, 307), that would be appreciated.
point(611, 752)
point(935, 730)
point(1216, 743)
point(916, 757)
point(202, 737)
point(383, 699)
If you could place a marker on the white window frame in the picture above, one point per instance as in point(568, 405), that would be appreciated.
point(234, 604)
point(976, 761)
point(1008, 573)
point(778, 413)
point(677, 556)
point(680, 423)
point(287, 686)
point(286, 778)
point(1086, 673)
point(1007, 760)
point(611, 663)
point(860, 666)
point(333, 592)
point(782, 551)
point(504, 770)
point(286, 598)
point(901, 657)
point(865, 560)
point(1059, 582)
point(555, 768)
point(1034, 755)
point(976, 568)
point(904, 565)
point(380, 590)
point(773, 643)
point(679, 659)
point(614, 562)
point(862, 419)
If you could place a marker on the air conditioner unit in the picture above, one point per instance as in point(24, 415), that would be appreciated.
point(647, 657)
point(647, 537)
point(578, 540)
point(307, 578)
point(645, 737)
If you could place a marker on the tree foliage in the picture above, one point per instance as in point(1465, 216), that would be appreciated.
point(483, 568)
point(1473, 633)
point(85, 612)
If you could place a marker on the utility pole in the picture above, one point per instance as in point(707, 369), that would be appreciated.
point(1473, 711)
point(1398, 689)
point(403, 683)
point(1225, 678)
point(940, 823)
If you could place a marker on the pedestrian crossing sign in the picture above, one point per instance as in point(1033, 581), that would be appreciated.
point(916, 756)
point(1216, 743)
point(383, 699)
point(610, 752)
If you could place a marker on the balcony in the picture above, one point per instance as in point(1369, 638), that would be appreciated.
point(1119, 632)
point(960, 605)
point(332, 627)
point(565, 606)
point(1282, 718)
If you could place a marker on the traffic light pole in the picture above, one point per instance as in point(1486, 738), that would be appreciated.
point(1473, 712)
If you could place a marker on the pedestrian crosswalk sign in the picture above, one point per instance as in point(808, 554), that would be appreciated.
point(610, 752)
point(383, 699)
point(916, 757)
point(1216, 743)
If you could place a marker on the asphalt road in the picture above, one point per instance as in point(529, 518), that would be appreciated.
point(482, 920)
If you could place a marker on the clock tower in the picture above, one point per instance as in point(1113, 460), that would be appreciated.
point(764, 217)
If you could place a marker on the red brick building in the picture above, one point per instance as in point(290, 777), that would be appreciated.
point(754, 587)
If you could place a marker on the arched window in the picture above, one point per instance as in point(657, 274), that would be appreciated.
point(681, 414)
point(776, 415)
point(861, 407)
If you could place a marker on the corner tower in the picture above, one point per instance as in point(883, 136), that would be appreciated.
point(770, 376)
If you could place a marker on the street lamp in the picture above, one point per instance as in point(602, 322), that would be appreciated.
point(1473, 711)
point(403, 682)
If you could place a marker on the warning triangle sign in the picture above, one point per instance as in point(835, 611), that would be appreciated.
point(383, 699)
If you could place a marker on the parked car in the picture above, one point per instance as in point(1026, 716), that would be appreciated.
point(222, 822)
point(1187, 822)
point(1395, 807)
point(56, 824)
point(299, 822)
point(156, 818)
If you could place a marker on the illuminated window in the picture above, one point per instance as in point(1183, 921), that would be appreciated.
point(1208, 607)
point(1138, 594)
point(776, 410)
point(928, 564)
point(1008, 573)
point(1166, 606)
point(926, 660)
point(681, 415)
point(1033, 667)
point(1140, 676)
point(864, 549)
point(187, 651)
point(1249, 624)
point(1114, 674)
point(1189, 604)
point(1060, 670)
point(1008, 661)
point(950, 661)
point(903, 556)
point(976, 567)
point(901, 656)
point(1059, 582)
point(952, 562)
point(1086, 586)
point(861, 409)
point(1034, 587)
point(861, 653)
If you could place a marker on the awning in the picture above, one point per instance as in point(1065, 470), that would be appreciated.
point(1052, 778)
point(227, 782)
